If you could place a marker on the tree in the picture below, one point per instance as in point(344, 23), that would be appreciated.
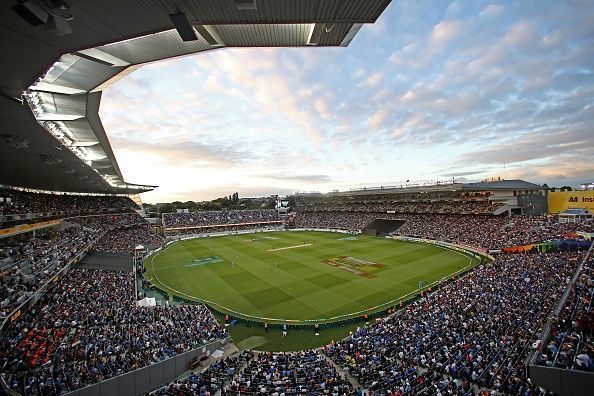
point(566, 188)
point(291, 200)
point(167, 208)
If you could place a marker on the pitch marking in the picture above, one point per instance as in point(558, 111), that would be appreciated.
point(289, 247)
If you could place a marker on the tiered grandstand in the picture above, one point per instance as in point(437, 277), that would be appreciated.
point(69, 334)
point(211, 222)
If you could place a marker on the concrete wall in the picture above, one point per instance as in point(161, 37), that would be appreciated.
point(148, 378)
point(562, 382)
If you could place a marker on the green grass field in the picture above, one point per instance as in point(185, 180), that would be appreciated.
point(299, 275)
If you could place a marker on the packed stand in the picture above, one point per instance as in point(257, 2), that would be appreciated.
point(88, 329)
point(490, 232)
point(125, 240)
point(290, 373)
point(216, 377)
point(572, 336)
point(28, 264)
point(16, 202)
point(477, 330)
point(219, 218)
point(223, 229)
point(487, 232)
point(439, 207)
point(338, 220)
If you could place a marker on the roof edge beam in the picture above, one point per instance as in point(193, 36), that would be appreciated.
point(209, 35)
point(97, 55)
point(351, 34)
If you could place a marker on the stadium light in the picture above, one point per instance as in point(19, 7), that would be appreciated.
point(246, 5)
point(52, 14)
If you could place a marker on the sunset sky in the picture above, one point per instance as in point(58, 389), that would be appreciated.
point(433, 90)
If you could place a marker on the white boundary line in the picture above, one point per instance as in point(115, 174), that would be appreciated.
point(325, 320)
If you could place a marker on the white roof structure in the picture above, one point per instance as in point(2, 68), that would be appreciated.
point(147, 302)
point(51, 136)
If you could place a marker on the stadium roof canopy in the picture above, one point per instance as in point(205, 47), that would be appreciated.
point(483, 186)
point(51, 136)
point(497, 185)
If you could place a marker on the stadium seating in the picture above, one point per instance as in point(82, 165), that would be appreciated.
point(32, 205)
point(219, 218)
point(436, 207)
point(290, 373)
point(88, 328)
point(572, 342)
point(488, 232)
point(125, 240)
point(474, 333)
point(477, 330)
point(26, 265)
point(214, 378)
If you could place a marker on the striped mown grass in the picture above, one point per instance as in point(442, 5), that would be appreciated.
point(255, 274)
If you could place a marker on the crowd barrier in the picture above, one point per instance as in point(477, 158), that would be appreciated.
point(151, 377)
point(558, 380)
point(561, 381)
point(201, 227)
point(183, 237)
point(555, 245)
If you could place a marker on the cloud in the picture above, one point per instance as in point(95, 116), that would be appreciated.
point(403, 55)
point(557, 172)
point(458, 86)
point(373, 80)
point(187, 154)
point(378, 119)
point(521, 34)
point(575, 142)
point(323, 108)
point(465, 173)
point(445, 31)
point(308, 179)
point(492, 10)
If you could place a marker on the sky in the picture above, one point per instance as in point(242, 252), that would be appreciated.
point(434, 90)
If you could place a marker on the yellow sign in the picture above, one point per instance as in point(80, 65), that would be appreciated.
point(561, 201)
point(28, 227)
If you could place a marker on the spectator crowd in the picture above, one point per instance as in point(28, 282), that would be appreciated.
point(487, 232)
point(26, 264)
point(265, 373)
point(219, 218)
point(88, 328)
point(215, 378)
point(17, 202)
point(572, 336)
point(224, 229)
point(125, 240)
point(475, 331)
point(440, 207)
point(297, 373)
